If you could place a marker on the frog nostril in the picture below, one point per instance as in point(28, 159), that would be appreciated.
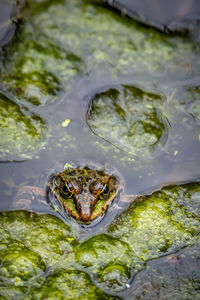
point(85, 218)
point(78, 206)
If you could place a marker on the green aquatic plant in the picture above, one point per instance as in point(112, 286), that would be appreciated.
point(41, 255)
point(70, 53)
point(129, 118)
point(22, 133)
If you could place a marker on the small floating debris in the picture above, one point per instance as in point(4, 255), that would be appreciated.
point(66, 122)
point(67, 166)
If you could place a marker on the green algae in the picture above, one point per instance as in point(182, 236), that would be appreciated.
point(37, 76)
point(21, 266)
point(160, 223)
point(21, 132)
point(40, 234)
point(68, 284)
point(41, 256)
point(108, 260)
point(137, 123)
point(59, 49)
point(29, 246)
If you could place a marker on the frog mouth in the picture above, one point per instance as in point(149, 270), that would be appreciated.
point(85, 207)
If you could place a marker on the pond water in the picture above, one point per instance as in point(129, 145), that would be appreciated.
point(83, 85)
point(166, 16)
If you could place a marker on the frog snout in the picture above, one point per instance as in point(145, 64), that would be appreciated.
point(85, 217)
point(84, 207)
point(85, 214)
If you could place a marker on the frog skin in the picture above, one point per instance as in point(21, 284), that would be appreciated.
point(84, 193)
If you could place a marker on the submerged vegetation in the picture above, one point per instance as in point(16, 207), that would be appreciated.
point(41, 256)
point(137, 123)
point(22, 133)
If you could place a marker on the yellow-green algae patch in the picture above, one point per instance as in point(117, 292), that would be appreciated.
point(107, 259)
point(22, 133)
point(40, 255)
point(137, 123)
point(45, 235)
point(42, 72)
point(68, 284)
point(29, 246)
point(160, 223)
point(59, 49)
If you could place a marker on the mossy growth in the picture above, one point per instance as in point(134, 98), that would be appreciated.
point(40, 255)
point(68, 284)
point(22, 133)
point(160, 223)
point(45, 235)
point(129, 118)
point(107, 259)
point(59, 50)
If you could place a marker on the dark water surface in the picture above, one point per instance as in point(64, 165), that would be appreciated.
point(56, 70)
point(8, 20)
point(69, 55)
point(166, 16)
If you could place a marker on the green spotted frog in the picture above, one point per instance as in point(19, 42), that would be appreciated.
point(81, 192)
point(84, 193)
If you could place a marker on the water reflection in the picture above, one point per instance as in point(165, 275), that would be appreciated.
point(177, 162)
point(8, 20)
point(170, 15)
point(77, 142)
point(174, 274)
point(65, 65)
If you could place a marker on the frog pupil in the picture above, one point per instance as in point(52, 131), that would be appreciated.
point(66, 188)
point(104, 189)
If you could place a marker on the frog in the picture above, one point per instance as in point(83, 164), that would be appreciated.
point(81, 193)
point(84, 193)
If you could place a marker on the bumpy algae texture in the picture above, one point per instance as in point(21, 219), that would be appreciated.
point(42, 71)
point(161, 223)
point(130, 119)
point(59, 49)
point(40, 255)
point(29, 246)
point(21, 132)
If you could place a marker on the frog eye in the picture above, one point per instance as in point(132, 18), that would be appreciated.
point(104, 190)
point(67, 189)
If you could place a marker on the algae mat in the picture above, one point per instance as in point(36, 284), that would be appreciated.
point(81, 82)
point(42, 258)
